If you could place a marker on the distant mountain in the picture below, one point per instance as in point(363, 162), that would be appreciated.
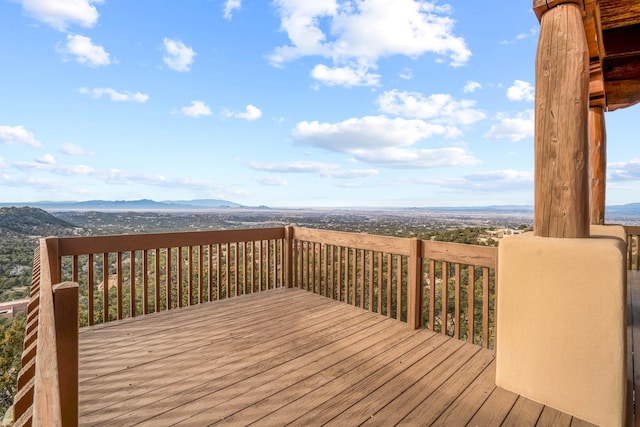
point(126, 205)
point(205, 203)
point(32, 222)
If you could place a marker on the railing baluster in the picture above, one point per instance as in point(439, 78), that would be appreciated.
point(380, 281)
point(132, 285)
point(457, 301)
point(210, 272)
point(432, 294)
point(399, 275)
point(119, 285)
point(145, 281)
point(90, 281)
point(471, 305)
point(156, 279)
point(168, 278)
point(445, 297)
point(105, 287)
point(389, 283)
point(485, 307)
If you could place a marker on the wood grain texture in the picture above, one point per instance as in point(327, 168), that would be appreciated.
point(321, 361)
point(561, 126)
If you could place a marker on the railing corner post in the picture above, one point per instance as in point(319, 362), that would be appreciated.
point(414, 285)
point(65, 303)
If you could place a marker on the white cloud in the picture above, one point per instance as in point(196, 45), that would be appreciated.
point(357, 34)
point(512, 127)
point(115, 95)
point(196, 109)
point(250, 113)
point(61, 13)
point(48, 163)
point(406, 74)
point(440, 108)
point(403, 158)
point(329, 170)
point(230, 6)
point(471, 87)
point(624, 171)
point(521, 91)
point(344, 76)
point(522, 36)
point(18, 135)
point(276, 181)
point(491, 181)
point(294, 167)
point(178, 56)
point(74, 150)
point(47, 159)
point(85, 51)
point(383, 141)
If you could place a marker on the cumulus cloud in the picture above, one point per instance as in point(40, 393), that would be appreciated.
point(85, 51)
point(344, 76)
point(384, 141)
point(196, 109)
point(250, 113)
point(230, 6)
point(59, 14)
point(512, 127)
point(343, 33)
point(178, 56)
point(471, 87)
point(115, 95)
point(521, 91)
point(439, 108)
point(18, 135)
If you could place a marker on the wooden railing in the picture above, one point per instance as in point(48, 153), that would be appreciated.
point(446, 287)
point(633, 247)
point(48, 381)
point(131, 275)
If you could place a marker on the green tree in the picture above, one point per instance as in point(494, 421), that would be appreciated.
point(11, 339)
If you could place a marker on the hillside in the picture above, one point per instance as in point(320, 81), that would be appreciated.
point(26, 221)
point(20, 229)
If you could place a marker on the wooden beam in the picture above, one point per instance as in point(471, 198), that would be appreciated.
point(597, 164)
point(622, 93)
point(561, 124)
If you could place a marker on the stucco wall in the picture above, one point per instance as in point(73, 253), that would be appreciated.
point(561, 333)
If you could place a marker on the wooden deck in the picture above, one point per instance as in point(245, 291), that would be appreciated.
point(290, 357)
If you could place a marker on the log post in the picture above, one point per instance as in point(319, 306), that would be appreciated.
point(561, 122)
point(597, 164)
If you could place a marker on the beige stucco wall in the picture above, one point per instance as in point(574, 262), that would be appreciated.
point(561, 333)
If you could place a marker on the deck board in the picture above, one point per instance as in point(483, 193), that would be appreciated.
point(289, 357)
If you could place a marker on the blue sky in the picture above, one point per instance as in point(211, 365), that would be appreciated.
point(285, 103)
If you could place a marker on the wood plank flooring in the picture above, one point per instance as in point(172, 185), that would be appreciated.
point(289, 357)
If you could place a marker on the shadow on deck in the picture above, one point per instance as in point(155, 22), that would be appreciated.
point(287, 356)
